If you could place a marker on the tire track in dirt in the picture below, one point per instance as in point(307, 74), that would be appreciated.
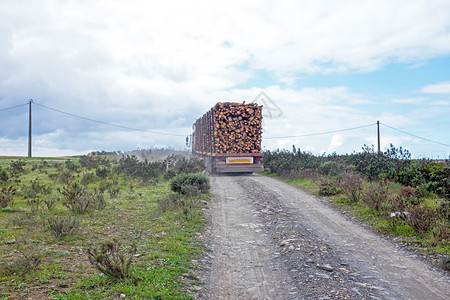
point(380, 262)
point(242, 266)
point(269, 240)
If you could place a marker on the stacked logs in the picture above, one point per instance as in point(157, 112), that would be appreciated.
point(230, 128)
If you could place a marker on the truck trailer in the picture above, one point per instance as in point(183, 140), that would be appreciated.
point(229, 138)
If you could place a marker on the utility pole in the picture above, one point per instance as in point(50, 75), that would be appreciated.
point(378, 134)
point(29, 129)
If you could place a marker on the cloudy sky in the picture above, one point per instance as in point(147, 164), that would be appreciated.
point(324, 66)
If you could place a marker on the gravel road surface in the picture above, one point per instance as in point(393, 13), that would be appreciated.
point(269, 240)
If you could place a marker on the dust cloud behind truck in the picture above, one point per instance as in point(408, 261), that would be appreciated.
point(229, 137)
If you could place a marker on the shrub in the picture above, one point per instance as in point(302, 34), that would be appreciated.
point(36, 188)
point(328, 186)
point(443, 209)
point(331, 168)
point(16, 167)
point(421, 218)
point(441, 232)
point(407, 192)
point(78, 199)
point(178, 202)
point(72, 166)
point(71, 191)
point(376, 195)
point(191, 183)
point(50, 203)
point(87, 178)
point(146, 171)
point(33, 204)
point(65, 176)
point(352, 186)
point(186, 164)
point(29, 261)
point(171, 173)
point(6, 195)
point(102, 172)
point(89, 161)
point(110, 260)
point(63, 226)
point(4, 177)
point(114, 191)
point(99, 199)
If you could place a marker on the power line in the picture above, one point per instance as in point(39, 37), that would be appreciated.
point(14, 107)
point(108, 124)
point(320, 133)
point(415, 135)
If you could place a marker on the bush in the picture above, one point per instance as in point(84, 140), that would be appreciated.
point(421, 218)
point(192, 183)
point(36, 188)
point(34, 204)
point(331, 168)
point(6, 195)
point(171, 173)
point(89, 162)
point(79, 199)
point(146, 171)
point(109, 259)
point(352, 185)
point(87, 178)
point(102, 172)
point(4, 177)
point(16, 167)
point(29, 261)
point(376, 195)
point(186, 165)
point(63, 226)
point(328, 186)
point(50, 203)
point(72, 166)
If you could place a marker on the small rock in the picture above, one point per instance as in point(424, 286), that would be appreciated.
point(327, 268)
point(122, 295)
point(356, 291)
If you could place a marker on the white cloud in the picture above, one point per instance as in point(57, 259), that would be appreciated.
point(414, 101)
point(160, 65)
point(336, 143)
point(438, 88)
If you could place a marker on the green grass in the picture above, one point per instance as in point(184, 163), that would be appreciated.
point(166, 242)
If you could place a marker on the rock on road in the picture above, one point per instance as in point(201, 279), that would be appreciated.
point(269, 240)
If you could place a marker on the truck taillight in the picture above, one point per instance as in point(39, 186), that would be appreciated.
point(219, 159)
point(258, 158)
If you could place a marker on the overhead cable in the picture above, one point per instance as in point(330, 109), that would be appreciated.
point(320, 133)
point(419, 137)
point(108, 124)
point(14, 106)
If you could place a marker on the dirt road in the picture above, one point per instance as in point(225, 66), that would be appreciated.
point(269, 240)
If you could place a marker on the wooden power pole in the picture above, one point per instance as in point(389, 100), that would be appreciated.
point(29, 129)
point(378, 135)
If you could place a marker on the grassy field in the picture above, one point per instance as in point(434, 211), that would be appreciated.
point(55, 212)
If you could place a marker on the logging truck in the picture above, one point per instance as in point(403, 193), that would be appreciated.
point(228, 137)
